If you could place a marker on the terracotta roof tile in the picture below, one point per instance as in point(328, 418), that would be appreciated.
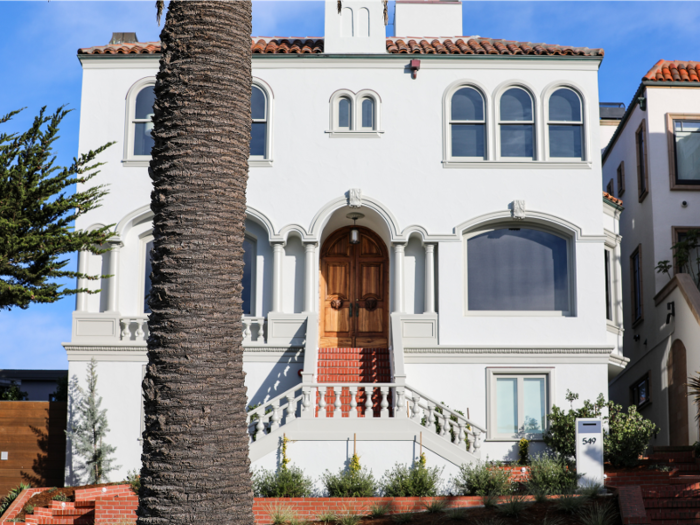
point(674, 71)
point(397, 45)
point(612, 199)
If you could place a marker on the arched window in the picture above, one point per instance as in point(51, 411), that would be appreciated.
point(565, 124)
point(367, 108)
point(138, 141)
point(512, 269)
point(344, 117)
point(258, 132)
point(467, 124)
point(517, 124)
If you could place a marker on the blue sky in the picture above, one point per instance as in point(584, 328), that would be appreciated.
point(38, 43)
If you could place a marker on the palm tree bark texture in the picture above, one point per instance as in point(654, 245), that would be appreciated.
point(195, 448)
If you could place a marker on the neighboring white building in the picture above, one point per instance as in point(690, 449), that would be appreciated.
point(653, 163)
point(472, 168)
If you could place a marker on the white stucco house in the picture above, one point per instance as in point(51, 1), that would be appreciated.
point(425, 229)
point(652, 163)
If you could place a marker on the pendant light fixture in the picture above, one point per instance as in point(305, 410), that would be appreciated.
point(354, 232)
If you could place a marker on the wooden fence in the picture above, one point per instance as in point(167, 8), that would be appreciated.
point(32, 433)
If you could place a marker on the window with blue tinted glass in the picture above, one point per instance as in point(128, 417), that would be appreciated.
point(565, 125)
point(517, 124)
point(248, 280)
point(467, 124)
point(258, 131)
point(367, 113)
point(513, 269)
point(344, 107)
point(143, 125)
point(520, 406)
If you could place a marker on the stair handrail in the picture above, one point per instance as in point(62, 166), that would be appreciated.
point(280, 414)
point(444, 408)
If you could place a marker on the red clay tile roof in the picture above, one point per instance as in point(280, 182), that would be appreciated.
point(437, 46)
point(612, 199)
point(674, 71)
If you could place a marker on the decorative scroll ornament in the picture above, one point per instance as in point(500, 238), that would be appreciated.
point(518, 209)
point(355, 198)
point(336, 304)
point(371, 304)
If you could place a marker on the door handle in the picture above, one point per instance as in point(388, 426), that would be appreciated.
point(350, 310)
point(357, 309)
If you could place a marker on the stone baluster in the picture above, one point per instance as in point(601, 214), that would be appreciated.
point(247, 321)
point(417, 410)
point(260, 427)
point(139, 329)
point(443, 426)
point(307, 412)
point(384, 413)
point(338, 404)
point(460, 432)
point(322, 402)
point(126, 332)
point(431, 416)
point(400, 412)
point(291, 413)
point(353, 402)
point(477, 435)
point(275, 419)
point(369, 410)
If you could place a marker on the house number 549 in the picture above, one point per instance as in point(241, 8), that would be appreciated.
point(588, 441)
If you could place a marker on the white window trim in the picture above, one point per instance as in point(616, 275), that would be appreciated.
point(144, 239)
point(267, 161)
point(447, 158)
point(492, 373)
point(536, 154)
point(570, 267)
point(612, 245)
point(129, 159)
point(355, 131)
point(546, 94)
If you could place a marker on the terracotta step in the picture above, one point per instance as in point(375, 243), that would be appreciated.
point(43, 520)
point(684, 479)
point(670, 491)
point(672, 503)
point(673, 514)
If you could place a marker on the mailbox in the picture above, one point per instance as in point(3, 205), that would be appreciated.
point(589, 451)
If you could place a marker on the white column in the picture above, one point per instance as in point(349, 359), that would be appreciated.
point(398, 278)
point(429, 307)
point(113, 282)
point(82, 298)
point(277, 269)
point(309, 281)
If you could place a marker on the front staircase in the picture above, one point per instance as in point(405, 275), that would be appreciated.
point(666, 488)
point(353, 365)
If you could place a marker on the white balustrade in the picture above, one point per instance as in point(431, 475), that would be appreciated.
point(323, 401)
point(134, 329)
point(253, 329)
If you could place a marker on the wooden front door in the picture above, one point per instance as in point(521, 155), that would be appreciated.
point(354, 291)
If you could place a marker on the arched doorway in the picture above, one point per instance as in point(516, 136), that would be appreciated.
point(677, 394)
point(354, 288)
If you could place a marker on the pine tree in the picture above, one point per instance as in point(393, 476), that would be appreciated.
point(37, 212)
point(87, 436)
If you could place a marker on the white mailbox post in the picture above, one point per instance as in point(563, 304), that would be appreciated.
point(589, 451)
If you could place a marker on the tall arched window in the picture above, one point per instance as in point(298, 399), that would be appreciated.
point(248, 281)
point(258, 132)
point(518, 269)
point(517, 124)
point(367, 113)
point(344, 116)
point(143, 125)
point(467, 124)
point(565, 124)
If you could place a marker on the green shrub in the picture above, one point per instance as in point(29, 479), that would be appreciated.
point(133, 478)
point(349, 518)
point(60, 497)
point(29, 509)
point(571, 504)
point(418, 481)
point(327, 517)
point(482, 479)
point(513, 507)
point(523, 452)
point(350, 484)
point(12, 496)
point(550, 474)
point(627, 437)
point(435, 506)
point(402, 518)
point(379, 511)
point(287, 482)
point(281, 514)
point(599, 514)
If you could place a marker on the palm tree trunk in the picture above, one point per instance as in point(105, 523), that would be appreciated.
point(195, 449)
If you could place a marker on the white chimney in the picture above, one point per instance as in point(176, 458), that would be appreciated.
point(357, 29)
point(425, 18)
